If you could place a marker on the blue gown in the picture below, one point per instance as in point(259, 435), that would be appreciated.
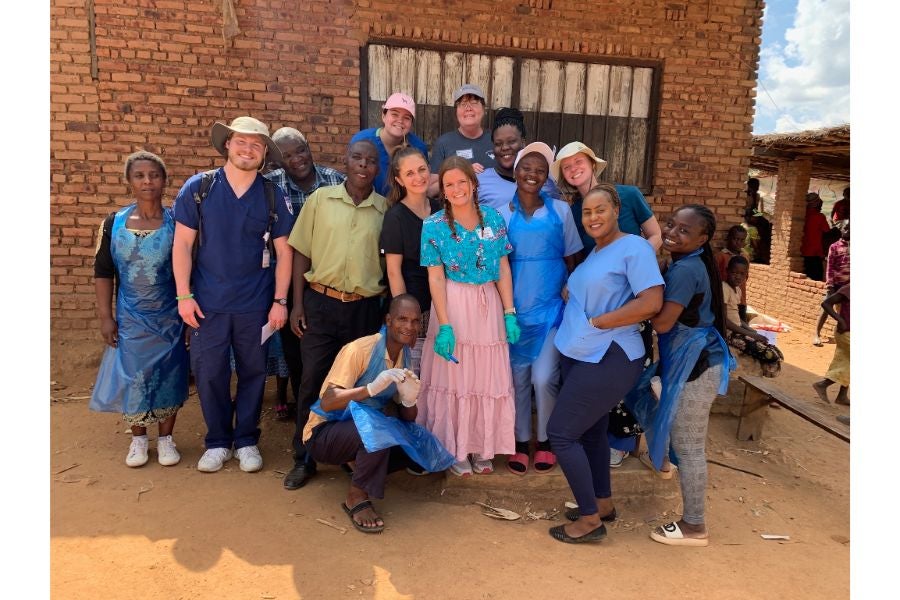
point(146, 376)
point(538, 274)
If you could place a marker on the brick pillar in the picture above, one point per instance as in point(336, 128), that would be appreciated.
point(790, 211)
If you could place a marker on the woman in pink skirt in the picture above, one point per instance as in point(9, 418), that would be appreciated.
point(467, 397)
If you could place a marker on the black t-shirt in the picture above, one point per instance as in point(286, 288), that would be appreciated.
point(104, 268)
point(401, 233)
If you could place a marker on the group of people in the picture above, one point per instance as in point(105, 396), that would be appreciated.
point(519, 277)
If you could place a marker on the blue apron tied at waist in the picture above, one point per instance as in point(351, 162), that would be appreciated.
point(679, 350)
point(379, 431)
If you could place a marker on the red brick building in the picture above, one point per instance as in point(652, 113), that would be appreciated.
point(156, 74)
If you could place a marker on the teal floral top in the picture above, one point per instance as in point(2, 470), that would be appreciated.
point(468, 256)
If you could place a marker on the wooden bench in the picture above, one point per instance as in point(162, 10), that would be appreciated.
point(758, 393)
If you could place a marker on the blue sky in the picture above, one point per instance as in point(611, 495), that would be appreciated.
point(804, 71)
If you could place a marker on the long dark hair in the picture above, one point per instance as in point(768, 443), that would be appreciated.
point(456, 162)
point(717, 303)
point(397, 192)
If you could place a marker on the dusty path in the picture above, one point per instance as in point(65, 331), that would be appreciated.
point(177, 533)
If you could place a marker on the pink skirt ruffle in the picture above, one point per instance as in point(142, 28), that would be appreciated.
point(470, 406)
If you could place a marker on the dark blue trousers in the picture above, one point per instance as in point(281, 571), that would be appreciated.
point(230, 422)
point(579, 421)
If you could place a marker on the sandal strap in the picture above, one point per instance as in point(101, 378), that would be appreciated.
point(361, 506)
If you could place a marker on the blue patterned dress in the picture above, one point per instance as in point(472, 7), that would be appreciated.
point(146, 376)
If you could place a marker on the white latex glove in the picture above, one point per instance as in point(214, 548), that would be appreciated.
point(384, 380)
point(408, 390)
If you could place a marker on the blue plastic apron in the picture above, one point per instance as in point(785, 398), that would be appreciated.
point(149, 368)
point(379, 431)
point(679, 350)
point(538, 275)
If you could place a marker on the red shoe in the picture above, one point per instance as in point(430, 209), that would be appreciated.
point(544, 461)
point(520, 459)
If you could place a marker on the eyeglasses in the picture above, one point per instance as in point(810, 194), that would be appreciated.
point(468, 103)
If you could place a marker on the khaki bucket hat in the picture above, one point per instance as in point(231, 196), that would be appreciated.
point(221, 132)
point(571, 149)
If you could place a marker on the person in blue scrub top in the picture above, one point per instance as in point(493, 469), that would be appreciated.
point(397, 115)
point(233, 287)
point(497, 184)
point(545, 241)
point(616, 287)
point(576, 170)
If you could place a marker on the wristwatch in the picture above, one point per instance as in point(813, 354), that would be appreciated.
point(281, 301)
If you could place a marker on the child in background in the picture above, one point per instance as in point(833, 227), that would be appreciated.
point(839, 370)
point(735, 240)
point(739, 335)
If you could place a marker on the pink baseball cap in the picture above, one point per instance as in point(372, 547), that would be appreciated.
point(400, 100)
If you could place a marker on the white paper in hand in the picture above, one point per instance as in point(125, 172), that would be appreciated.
point(267, 331)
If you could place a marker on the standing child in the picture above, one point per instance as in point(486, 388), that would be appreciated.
point(839, 370)
point(749, 343)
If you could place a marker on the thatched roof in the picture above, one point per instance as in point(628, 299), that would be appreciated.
point(829, 149)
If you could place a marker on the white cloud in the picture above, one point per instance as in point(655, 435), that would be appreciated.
point(807, 74)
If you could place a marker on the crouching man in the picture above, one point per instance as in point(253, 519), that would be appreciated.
point(350, 422)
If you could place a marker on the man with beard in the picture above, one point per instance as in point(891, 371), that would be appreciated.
point(233, 286)
point(337, 280)
point(299, 176)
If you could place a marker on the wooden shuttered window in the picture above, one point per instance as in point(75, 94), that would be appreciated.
point(610, 107)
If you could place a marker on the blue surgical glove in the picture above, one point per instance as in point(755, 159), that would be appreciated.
point(445, 342)
point(512, 328)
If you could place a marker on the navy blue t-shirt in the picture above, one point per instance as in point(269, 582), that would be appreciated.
point(687, 283)
point(227, 275)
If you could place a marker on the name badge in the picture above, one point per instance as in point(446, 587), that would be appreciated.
point(465, 153)
point(266, 258)
point(486, 233)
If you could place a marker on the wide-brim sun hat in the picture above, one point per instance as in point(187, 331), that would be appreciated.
point(571, 149)
point(532, 148)
point(248, 125)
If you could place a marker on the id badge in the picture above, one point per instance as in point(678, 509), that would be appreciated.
point(266, 258)
point(486, 233)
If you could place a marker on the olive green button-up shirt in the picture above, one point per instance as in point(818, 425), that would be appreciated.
point(341, 240)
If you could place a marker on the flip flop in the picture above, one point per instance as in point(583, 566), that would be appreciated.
point(672, 536)
point(595, 535)
point(520, 459)
point(359, 526)
point(544, 457)
point(573, 515)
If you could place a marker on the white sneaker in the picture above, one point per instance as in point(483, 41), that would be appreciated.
point(213, 459)
point(166, 452)
point(250, 458)
point(137, 452)
point(616, 457)
point(816, 341)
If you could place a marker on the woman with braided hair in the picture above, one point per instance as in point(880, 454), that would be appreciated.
point(497, 184)
point(694, 366)
point(467, 398)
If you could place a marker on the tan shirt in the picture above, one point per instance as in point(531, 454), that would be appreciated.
point(732, 298)
point(349, 365)
point(341, 240)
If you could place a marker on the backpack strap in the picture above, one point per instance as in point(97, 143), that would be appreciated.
point(269, 187)
point(206, 180)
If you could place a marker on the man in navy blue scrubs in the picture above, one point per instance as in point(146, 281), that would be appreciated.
point(233, 286)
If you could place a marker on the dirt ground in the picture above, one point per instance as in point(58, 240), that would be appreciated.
point(176, 533)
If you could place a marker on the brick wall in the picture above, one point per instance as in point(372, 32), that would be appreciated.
point(164, 75)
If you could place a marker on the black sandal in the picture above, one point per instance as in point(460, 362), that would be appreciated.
point(595, 535)
point(359, 507)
